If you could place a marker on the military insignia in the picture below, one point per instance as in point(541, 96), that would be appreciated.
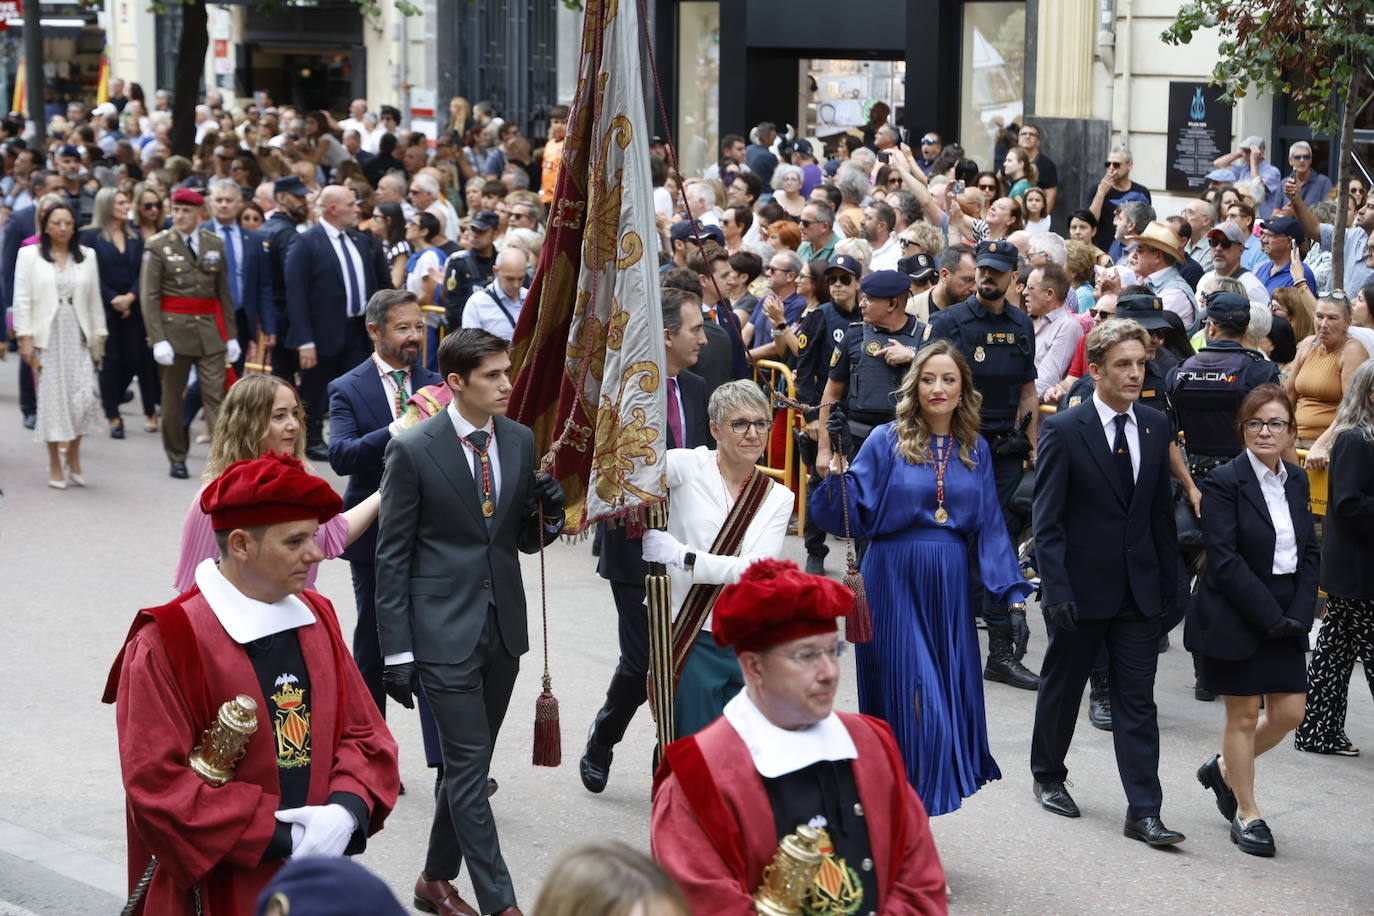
point(1075, 401)
point(291, 723)
point(1001, 337)
point(147, 256)
point(1147, 394)
point(452, 283)
point(834, 357)
point(801, 341)
point(211, 257)
point(979, 354)
point(837, 335)
point(872, 348)
point(837, 890)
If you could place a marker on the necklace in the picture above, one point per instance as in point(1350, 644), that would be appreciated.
point(720, 469)
point(941, 464)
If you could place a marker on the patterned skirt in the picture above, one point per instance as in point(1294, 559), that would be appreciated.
point(1347, 636)
point(68, 395)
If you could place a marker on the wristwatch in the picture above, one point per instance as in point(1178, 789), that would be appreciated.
point(780, 326)
point(689, 560)
point(1018, 606)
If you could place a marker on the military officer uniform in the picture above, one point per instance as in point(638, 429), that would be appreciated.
point(186, 302)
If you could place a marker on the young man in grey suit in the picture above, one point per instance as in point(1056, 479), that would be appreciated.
point(460, 497)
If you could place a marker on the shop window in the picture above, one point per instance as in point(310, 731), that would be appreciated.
point(993, 77)
point(698, 86)
point(838, 95)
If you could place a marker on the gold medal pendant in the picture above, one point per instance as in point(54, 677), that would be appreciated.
point(941, 515)
point(488, 508)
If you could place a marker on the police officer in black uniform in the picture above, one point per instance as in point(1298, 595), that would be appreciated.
point(866, 368)
point(1208, 388)
point(821, 331)
point(998, 340)
point(1146, 310)
point(470, 269)
point(280, 230)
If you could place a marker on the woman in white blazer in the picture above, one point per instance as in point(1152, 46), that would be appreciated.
point(60, 325)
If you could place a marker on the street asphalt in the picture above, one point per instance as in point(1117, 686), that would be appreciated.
point(77, 564)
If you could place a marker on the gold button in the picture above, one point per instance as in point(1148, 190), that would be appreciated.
point(867, 865)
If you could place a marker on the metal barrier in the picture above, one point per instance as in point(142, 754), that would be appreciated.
point(428, 310)
point(792, 467)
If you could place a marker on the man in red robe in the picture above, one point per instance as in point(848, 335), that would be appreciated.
point(780, 757)
point(318, 776)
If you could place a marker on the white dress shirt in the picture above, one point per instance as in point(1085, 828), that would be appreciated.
point(1276, 501)
point(779, 751)
point(887, 256)
point(483, 310)
point(463, 427)
point(354, 262)
point(389, 384)
point(1108, 417)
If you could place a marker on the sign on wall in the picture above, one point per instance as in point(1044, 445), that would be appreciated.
point(1199, 132)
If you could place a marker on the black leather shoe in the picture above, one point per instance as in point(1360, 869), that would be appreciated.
point(1209, 774)
point(30, 420)
point(1151, 830)
point(1002, 665)
point(815, 564)
point(117, 430)
point(1253, 838)
point(595, 766)
point(1163, 643)
point(1053, 797)
point(179, 470)
point(317, 452)
point(1203, 694)
point(1100, 704)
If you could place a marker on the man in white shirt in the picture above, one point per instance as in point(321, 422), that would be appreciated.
point(356, 110)
point(496, 306)
point(878, 222)
point(1057, 331)
point(1227, 243)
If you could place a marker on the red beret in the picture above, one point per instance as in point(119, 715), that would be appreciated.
point(267, 490)
point(774, 602)
point(187, 196)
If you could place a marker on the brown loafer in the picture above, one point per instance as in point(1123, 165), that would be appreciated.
point(440, 897)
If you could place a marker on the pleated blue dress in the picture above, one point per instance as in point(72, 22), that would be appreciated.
point(922, 673)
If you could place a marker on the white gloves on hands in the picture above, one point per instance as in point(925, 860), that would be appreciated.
point(163, 354)
point(326, 829)
point(662, 547)
point(235, 351)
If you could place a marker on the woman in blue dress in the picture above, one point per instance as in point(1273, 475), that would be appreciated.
point(922, 489)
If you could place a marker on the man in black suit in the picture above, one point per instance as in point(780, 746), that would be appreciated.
point(460, 498)
point(622, 560)
point(332, 270)
point(1102, 481)
point(19, 227)
point(290, 194)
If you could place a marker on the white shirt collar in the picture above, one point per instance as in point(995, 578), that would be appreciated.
point(333, 231)
point(246, 619)
point(1263, 474)
point(1107, 414)
point(461, 424)
point(384, 370)
point(779, 751)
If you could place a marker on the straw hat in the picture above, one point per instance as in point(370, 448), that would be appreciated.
point(1160, 237)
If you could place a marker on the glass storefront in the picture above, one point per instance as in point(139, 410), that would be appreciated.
point(992, 87)
point(839, 94)
point(698, 86)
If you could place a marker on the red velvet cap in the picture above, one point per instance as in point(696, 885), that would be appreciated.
point(188, 197)
point(775, 602)
point(265, 491)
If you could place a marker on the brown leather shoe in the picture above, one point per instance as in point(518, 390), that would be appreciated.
point(440, 897)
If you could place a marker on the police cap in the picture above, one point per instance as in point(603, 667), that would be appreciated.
point(999, 255)
point(1145, 310)
point(1230, 310)
point(290, 185)
point(483, 220)
point(847, 263)
point(920, 267)
point(885, 284)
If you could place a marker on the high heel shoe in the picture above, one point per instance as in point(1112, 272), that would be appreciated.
point(76, 478)
point(57, 484)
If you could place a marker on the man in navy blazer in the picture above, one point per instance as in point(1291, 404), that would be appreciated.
point(1102, 493)
point(19, 227)
point(622, 557)
point(332, 270)
point(250, 275)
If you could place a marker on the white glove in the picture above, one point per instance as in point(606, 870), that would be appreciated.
point(662, 547)
point(235, 351)
point(327, 829)
point(163, 354)
point(395, 427)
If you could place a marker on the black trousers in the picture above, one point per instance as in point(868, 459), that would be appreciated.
point(1007, 474)
point(469, 700)
point(367, 653)
point(127, 355)
point(815, 536)
point(1132, 643)
point(357, 346)
point(628, 690)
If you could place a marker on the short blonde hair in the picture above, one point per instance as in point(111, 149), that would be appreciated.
point(858, 249)
point(927, 236)
point(732, 397)
point(1108, 334)
point(608, 879)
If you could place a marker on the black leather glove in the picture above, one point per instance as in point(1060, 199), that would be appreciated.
point(545, 492)
point(1063, 615)
point(401, 683)
point(1286, 628)
point(1020, 633)
point(837, 426)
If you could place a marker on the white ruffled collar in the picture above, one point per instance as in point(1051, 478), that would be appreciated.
point(779, 751)
point(246, 619)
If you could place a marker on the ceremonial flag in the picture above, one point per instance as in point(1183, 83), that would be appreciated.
point(102, 83)
point(588, 349)
point(21, 96)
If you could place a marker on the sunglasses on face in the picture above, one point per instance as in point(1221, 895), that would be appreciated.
point(151, 205)
point(930, 139)
point(776, 270)
point(908, 243)
point(841, 280)
point(806, 223)
point(1225, 244)
point(1112, 165)
point(987, 187)
point(1302, 157)
point(1101, 314)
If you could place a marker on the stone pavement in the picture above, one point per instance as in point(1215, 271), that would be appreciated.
point(76, 564)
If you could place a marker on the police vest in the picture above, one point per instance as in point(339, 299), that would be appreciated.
point(836, 323)
point(872, 394)
point(1000, 353)
point(1207, 393)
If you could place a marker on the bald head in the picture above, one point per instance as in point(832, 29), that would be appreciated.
point(510, 268)
point(339, 207)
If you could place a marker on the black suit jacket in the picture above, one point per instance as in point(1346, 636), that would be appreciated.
point(1235, 604)
point(1349, 526)
point(439, 565)
point(19, 227)
point(317, 291)
point(1092, 546)
point(258, 299)
point(359, 414)
point(622, 557)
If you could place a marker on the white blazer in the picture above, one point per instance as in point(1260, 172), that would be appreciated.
point(35, 299)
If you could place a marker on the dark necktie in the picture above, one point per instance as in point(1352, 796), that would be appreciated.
point(675, 414)
point(478, 440)
point(355, 297)
point(1121, 454)
point(231, 259)
point(190, 244)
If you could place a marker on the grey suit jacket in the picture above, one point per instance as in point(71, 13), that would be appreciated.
point(439, 567)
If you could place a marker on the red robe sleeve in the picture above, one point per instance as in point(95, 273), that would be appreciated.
point(678, 842)
point(919, 885)
point(190, 826)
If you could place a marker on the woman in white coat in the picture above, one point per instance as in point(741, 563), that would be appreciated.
point(60, 325)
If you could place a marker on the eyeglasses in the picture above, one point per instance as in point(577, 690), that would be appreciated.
point(1276, 427)
point(770, 269)
point(987, 187)
point(841, 280)
point(741, 426)
point(151, 205)
point(810, 658)
point(895, 180)
point(806, 223)
point(1220, 243)
point(1112, 165)
point(1101, 314)
point(1303, 157)
point(909, 243)
point(930, 139)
